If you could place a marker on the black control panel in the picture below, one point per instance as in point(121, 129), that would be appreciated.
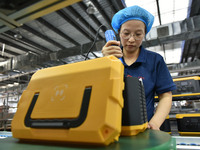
point(189, 124)
point(187, 88)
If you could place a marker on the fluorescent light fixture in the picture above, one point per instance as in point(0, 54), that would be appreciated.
point(3, 48)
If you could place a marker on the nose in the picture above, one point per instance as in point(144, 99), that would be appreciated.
point(132, 38)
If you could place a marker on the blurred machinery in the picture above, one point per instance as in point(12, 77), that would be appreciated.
point(186, 100)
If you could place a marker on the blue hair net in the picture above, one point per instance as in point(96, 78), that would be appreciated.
point(132, 13)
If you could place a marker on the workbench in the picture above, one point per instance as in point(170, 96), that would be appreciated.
point(148, 140)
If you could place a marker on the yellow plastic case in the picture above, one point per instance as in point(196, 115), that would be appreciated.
point(188, 124)
point(134, 129)
point(80, 102)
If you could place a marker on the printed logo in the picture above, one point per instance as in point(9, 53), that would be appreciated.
point(59, 93)
point(139, 77)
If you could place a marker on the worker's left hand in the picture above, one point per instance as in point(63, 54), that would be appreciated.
point(153, 126)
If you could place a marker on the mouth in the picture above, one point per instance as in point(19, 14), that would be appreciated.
point(130, 46)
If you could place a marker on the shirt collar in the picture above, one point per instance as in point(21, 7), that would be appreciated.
point(141, 58)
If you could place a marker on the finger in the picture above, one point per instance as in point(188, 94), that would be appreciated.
point(112, 42)
point(153, 127)
point(112, 52)
point(118, 55)
point(112, 49)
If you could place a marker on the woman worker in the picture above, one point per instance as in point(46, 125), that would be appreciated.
point(132, 24)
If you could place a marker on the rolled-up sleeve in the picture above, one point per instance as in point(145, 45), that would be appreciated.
point(164, 82)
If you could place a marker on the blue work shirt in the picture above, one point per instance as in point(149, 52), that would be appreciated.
point(151, 67)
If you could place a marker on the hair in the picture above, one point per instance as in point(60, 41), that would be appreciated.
point(145, 30)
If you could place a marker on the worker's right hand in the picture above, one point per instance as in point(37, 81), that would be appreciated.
point(152, 126)
point(112, 48)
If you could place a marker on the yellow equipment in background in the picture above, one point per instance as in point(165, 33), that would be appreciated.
point(188, 124)
point(76, 103)
point(188, 88)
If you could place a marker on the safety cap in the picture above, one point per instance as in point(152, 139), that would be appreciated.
point(132, 13)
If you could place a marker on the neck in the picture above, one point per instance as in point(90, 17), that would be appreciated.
point(131, 57)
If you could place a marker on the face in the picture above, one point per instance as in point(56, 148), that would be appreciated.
point(131, 34)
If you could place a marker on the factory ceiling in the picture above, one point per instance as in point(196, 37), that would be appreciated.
point(37, 34)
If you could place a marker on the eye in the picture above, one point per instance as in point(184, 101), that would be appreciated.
point(126, 33)
point(138, 34)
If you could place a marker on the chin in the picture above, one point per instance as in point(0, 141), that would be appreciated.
point(131, 49)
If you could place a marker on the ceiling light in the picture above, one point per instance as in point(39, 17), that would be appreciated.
point(16, 83)
point(10, 85)
point(18, 36)
point(90, 9)
point(3, 48)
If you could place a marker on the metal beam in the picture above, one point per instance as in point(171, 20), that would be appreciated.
point(77, 50)
point(17, 75)
point(19, 80)
point(9, 20)
point(56, 30)
point(71, 21)
point(158, 9)
point(195, 7)
point(29, 42)
point(100, 9)
point(51, 8)
point(187, 49)
point(196, 51)
point(42, 36)
point(185, 52)
point(172, 37)
point(92, 16)
point(32, 8)
point(14, 45)
point(4, 57)
point(82, 20)
point(37, 10)
point(112, 7)
point(21, 43)
point(9, 26)
point(185, 69)
point(31, 61)
point(11, 52)
point(119, 4)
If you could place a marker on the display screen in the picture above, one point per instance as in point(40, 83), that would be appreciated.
point(194, 120)
point(184, 83)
